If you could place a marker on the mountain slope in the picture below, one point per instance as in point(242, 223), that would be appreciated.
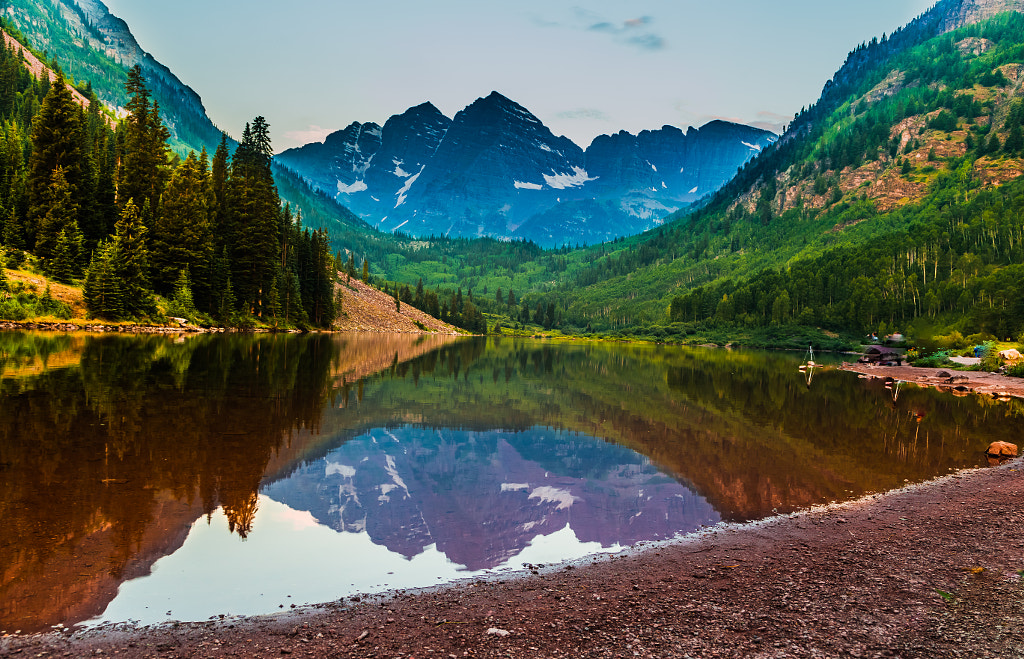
point(901, 204)
point(93, 45)
point(496, 170)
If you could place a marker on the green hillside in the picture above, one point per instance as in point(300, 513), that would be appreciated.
point(897, 204)
point(892, 203)
point(903, 204)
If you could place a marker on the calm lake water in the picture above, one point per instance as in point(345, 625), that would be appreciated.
point(157, 478)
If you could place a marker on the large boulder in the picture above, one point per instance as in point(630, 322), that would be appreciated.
point(1002, 450)
point(1011, 355)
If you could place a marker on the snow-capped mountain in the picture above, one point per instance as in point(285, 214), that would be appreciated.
point(482, 498)
point(496, 170)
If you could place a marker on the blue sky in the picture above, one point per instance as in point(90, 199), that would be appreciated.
point(314, 66)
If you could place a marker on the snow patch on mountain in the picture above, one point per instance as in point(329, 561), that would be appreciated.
point(574, 180)
point(344, 471)
point(358, 186)
point(402, 194)
point(548, 494)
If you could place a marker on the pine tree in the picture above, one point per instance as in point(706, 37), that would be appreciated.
point(253, 213)
point(65, 265)
point(104, 297)
point(144, 164)
point(350, 269)
point(1015, 140)
point(182, 304)
point(291, 300)
point(994, 145)
point(183, 233)
point(131, 262)
point(228, 302)
point(13, 235)
point(219, 172)
point(61, 212)
point(56, 145)
point(366, 271)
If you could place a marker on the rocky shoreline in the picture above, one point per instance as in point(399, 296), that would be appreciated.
point(950, 381)
point(99, 328)
point(931, 570)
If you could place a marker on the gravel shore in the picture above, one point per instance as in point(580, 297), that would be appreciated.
point(932, 570)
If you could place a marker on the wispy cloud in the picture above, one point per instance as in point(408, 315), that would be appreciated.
point(586, 114)
point(632, 32)
point(312, 134)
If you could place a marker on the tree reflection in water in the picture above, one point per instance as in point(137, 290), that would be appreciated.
point(112, 446)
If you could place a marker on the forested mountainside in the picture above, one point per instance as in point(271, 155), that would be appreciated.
point(98, 49)
point(106, 205)
point(903, 204)
point(894, 200)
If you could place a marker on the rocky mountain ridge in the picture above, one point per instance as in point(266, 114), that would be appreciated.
point(94, 45)
point(496, 170)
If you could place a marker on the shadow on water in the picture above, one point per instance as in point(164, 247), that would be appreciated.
point(111, 447)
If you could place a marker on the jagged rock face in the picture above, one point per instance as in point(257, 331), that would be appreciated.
point(95, 28)
point(497, 165)
point(496, 170)
point(966, 12)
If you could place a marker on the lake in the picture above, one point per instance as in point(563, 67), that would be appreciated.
point(160, 478)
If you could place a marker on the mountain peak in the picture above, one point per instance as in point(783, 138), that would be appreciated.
point(495, 97)
point(424, 109)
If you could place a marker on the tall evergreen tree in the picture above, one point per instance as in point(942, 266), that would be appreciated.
point(144, 161)
point(13, 234)
point(253, 208)
point(61, 212)
point(182, 303)
point(104, 297)
point(56, 144)
point(219, 171)
point(64, 266)
point(183, 233)
point(131, 262)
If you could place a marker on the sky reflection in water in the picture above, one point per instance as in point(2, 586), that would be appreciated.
point(326, 462)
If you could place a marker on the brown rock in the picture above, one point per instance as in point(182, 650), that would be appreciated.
point(1002, 449)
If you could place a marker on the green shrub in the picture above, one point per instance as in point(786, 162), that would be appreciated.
point(938, 359)
point(11, 309)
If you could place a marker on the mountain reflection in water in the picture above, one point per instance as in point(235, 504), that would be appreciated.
point(482, 497)
point(113, 447)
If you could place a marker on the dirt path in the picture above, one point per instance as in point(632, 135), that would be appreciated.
point(929, 571)
point(991, 384)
